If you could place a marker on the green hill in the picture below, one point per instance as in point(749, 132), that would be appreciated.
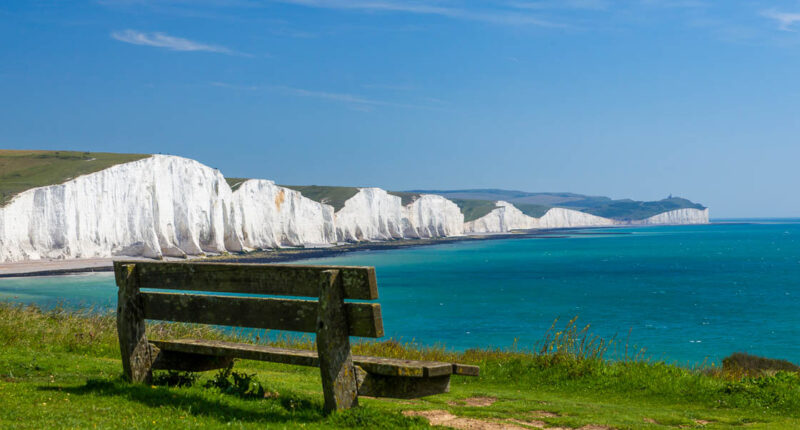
point(23, 170)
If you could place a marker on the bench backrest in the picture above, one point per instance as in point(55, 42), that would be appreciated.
point(362, 319)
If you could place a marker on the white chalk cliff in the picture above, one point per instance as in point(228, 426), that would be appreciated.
point(154, 207)
point(432, 216)
point(176, 207)
point(506, 217)
point(678, 216)
point(567, 218)
point(264, 215)
point(374, 214)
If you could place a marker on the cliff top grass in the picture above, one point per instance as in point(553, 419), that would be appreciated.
point(334, 196)
point(406, 198)
point(23, 170)
point(474, 209)
point(235, 183)
point(61, 369)
point(628, 210)
point(536, 211)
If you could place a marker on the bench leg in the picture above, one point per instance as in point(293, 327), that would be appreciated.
point(137, 354)
point(400, 387)
point(333, 344)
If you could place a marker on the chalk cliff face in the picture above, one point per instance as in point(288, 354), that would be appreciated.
point(432, 216)
point(679, 216)
point(264, 215)
point(176, 207)
point(566, 218)
point(153, 207)
point(504, 218)
point(507, 218)
point(374, 214)
point(371, 214)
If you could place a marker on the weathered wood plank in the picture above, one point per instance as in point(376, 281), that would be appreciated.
point(244, 351)
point(256, 312)
point(137, 354)
point(267, 279)
point(466, 370)
point(400, 387)
point(375, 365)
point(333, 346)
point(188, 362)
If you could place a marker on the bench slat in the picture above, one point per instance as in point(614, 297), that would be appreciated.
point(374, 365)
point(256, 312)
point(267, 279)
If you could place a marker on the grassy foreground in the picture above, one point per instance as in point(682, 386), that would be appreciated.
point(61, 369)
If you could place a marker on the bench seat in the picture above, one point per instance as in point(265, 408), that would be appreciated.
point(374, 365)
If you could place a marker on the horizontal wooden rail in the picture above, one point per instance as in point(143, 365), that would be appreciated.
point(364, 319)
point(267, 279)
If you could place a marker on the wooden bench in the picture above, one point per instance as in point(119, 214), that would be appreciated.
point(333, 320)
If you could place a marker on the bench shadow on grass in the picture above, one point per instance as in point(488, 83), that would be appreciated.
point(284, 409)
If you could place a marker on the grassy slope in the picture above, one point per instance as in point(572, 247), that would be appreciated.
point(235, 183)
point(23, 170)
point(633, 210)
point(405, 197)
point(474, 209)
point(61, 370)
point(533, 210)
point(334, 196)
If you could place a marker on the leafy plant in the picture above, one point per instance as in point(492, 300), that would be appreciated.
point(238, 384)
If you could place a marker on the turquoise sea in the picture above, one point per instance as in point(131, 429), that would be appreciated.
point(686, 294)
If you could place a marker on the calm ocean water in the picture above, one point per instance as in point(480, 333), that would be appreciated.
point(687, 293)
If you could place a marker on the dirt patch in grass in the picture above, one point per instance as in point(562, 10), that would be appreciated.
point(480, 401)
point(446, 419)
point(543, 414)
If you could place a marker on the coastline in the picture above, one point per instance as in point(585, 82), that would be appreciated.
point(32, 268)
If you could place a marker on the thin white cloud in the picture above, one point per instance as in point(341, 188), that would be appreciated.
point(162, 40)
point(786, 20)
point(350, 99)
point(561, 4)
point(421, 8)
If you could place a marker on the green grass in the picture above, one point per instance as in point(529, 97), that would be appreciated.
point(23, 170)
point(334, 196)
point(405, 197)
point(61, 369)
point(235, 183)
point(536, 211)
point(474, 209)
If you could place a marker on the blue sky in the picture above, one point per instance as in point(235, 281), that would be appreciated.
point(635, 98)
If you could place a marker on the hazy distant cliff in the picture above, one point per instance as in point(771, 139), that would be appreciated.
point(507, 218)
point(172, 206)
